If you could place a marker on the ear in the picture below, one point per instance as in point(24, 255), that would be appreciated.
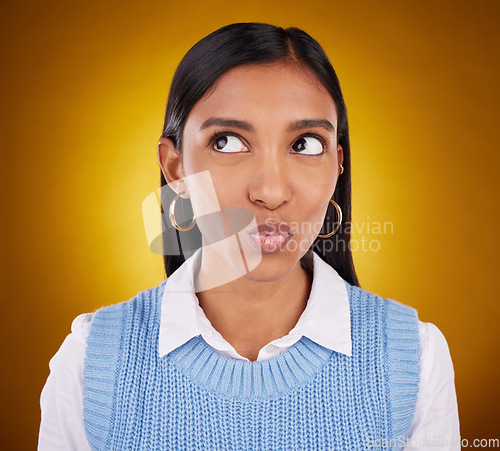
point(170, 161)
point(340, 155)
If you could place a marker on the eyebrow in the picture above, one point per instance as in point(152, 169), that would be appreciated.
point(298, 125)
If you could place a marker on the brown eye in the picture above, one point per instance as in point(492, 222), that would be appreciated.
point(308, 145)
point(221, 142)
point(228, 144)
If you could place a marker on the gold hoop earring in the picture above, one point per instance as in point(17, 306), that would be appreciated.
point(339, 214)
point(171, 216)
point(341, 169)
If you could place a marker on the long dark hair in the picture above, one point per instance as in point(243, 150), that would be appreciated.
point(254, 43)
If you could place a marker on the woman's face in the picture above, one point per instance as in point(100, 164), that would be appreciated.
point(267, 136)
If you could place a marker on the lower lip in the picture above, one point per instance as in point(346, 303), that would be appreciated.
point(269, 244)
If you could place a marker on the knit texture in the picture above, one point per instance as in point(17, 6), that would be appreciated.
point(307, 398)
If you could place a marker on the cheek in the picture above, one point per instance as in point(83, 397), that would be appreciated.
point(231, 188)
point(314, 204)
point(313, 217)
point(192, 165)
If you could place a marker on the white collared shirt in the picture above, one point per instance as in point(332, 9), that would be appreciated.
point(325, 320)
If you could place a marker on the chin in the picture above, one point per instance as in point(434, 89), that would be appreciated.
point(272, 267)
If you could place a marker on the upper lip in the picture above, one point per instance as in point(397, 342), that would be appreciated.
point(269, 228)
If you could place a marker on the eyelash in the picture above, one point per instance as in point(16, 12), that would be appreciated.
point(325, 142)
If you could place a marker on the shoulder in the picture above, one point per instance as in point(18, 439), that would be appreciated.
point(400, 316)
point(80, 327)
point(145, 300)
point(432, 334)
point(435, 351)
point(395, 310)
point(432, 341)
point(114, 328)
point(394, 323)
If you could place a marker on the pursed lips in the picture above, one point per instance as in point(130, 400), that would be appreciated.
point(266, 228)
point(270, 237)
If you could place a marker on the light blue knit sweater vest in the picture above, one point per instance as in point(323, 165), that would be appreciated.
point(307, 398)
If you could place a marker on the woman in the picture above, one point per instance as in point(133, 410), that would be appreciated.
point(260, 337)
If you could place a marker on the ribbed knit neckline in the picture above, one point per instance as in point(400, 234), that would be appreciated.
point(244, 379)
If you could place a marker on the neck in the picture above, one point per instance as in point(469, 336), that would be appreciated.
point(248, 313)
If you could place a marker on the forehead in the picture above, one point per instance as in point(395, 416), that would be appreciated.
point(265, 93)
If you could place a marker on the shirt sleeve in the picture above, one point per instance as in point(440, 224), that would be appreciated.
point(435, 424)
point(61, 401)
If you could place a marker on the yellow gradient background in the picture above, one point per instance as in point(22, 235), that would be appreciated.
point(85, 89)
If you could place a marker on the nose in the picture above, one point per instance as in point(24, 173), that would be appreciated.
point(270, 182)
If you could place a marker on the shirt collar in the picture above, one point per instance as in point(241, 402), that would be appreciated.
point(325, 320)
